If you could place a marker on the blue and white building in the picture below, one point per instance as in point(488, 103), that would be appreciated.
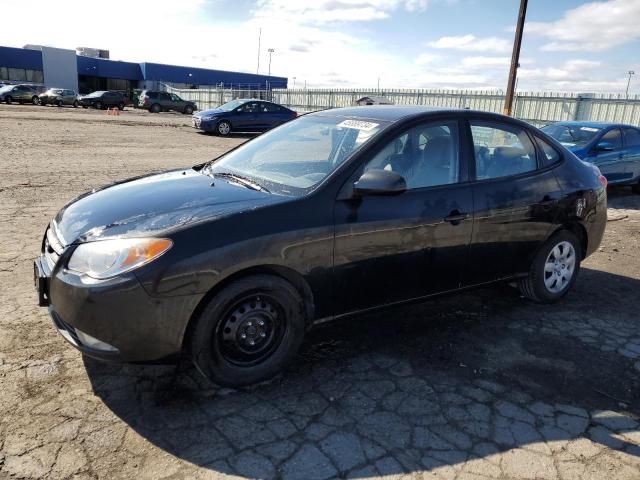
point(57, 67)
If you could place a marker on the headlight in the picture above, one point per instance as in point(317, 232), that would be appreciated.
point(108, 258)
point(206, 118)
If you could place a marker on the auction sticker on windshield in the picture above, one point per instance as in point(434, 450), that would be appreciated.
point(358, 125)
point(589, 129)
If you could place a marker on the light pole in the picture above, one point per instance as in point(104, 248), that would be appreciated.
point(630, 72)
point(271, 50)
point(294, 82)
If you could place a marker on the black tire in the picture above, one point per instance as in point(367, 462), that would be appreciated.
point(75, 104)
point(217, 346)
point(8, 99)
point(59, 103)
point(223, 128)
point(35, 100)
point(534, 286)
point(85, 106)
point(98, 105)
point(636, 188)
point(121, 106)
point(188, 110)
point(155, 108)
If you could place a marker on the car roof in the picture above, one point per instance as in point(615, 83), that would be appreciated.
point(593, 124)
point(393, 113)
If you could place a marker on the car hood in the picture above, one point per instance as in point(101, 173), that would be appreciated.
point(212, 111)
point(154, 204)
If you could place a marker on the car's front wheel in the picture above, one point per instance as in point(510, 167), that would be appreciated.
point(554, 269)
point(59, 103)
point(223, 128)
point(249, 331)
point(35, 100)
point(188, 109)
point(8, 99)
point(155, 108)
point(98, 105)
point(121, 106)
point(75, 104)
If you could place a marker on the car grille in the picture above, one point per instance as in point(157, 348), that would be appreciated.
point(196, 122)
point(52, 248)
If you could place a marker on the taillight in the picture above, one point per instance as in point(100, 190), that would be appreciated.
point(603, 180)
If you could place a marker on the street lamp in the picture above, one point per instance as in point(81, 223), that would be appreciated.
point(630, 72)
point(271, 50)
point(294, 82)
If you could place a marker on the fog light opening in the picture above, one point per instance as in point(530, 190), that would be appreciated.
point(93, 342)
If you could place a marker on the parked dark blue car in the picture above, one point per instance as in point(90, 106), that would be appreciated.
point(242, 116)
point(614, 148)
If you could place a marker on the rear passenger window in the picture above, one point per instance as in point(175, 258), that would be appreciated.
point(631, 137)
point(549, 154)
point(614, 138)
point(501, 150)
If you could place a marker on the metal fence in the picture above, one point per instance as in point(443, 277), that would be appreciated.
point(537, 108)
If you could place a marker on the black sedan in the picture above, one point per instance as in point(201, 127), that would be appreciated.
point(102, 99)
point(333, 214)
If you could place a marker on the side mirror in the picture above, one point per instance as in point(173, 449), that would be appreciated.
point(604, 147)
point(380, 182)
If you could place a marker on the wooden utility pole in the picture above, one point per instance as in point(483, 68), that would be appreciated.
point(515, 58)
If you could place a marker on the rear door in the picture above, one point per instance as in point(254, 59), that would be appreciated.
point(632, 152)
point(394, 248)
point(164, 99)
point(516, 201)
point(610, 161)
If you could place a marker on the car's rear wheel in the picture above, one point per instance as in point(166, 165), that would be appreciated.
point(554, 269)
point(155, 108)
point(8, 99)
point(249, 331)
point(35, 100)
point(75, 104)
point(223, 128)
point(188, 109)
point(121, 106)
point(98, 105)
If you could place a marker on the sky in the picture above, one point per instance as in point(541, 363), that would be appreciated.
point(568, 45)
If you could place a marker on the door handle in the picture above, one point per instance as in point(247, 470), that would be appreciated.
point(455, 217)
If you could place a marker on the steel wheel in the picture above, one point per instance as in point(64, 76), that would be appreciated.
point(251, 330)
point(35, 100)
point(224, 128)
point(98, 105)
point(559, 267)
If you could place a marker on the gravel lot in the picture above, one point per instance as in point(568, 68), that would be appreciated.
point(480, 385)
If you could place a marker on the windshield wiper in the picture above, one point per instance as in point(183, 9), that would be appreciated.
point(245, 182)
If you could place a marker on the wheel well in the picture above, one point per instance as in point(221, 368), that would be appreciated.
point(579, 231)
point(291, 276)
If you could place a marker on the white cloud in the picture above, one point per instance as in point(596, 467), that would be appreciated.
point(592, 27)
point(486, 62)
point(325, 11)
point(425, 58)
point(471, 43)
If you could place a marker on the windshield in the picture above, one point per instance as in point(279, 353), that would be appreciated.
point(293, 158)
point(96, 94)
point(55, 90)
point(227, 107)
point(571, 135)
point(6, 88)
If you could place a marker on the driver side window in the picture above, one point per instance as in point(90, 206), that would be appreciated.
point(426, 155)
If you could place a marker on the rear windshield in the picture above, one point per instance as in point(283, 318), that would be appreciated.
point(571, 135)
point(97, 94)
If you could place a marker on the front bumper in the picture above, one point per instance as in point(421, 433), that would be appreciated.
point(205, 125)
point(118, 315)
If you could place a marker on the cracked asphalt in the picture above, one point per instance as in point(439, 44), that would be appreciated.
point(473, 386)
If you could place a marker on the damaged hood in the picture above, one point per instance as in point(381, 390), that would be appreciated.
point(153, 204)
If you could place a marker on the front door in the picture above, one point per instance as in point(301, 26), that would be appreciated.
point(610, 161)
point(632, 153)
point(246, 117)
point(516, 202)
point(394, 248)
